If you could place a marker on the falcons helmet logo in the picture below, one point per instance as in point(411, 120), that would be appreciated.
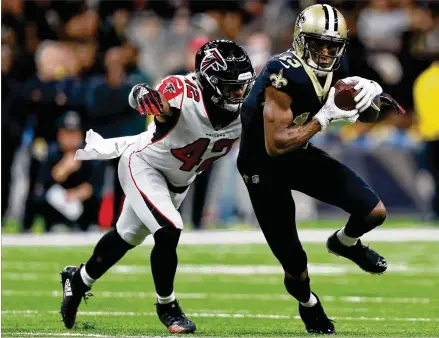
point(169, 88)
point(214, 60)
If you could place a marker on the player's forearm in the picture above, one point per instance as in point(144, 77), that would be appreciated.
point(60, 172)
point(292, 138)
point(82, 192)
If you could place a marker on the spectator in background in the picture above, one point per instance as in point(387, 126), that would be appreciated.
point(91, 39)
point(258, 47)
point(16, 36)
point(78, 21)
point(13, 121)
point(426, 97)
point(109, 112)
point(86, 54)
point(382, 26)
point(148, 34)
point(425, 45)
point(208, 16)
point(191, 50)
point(382, 23)
point(45, 97)
point(64, 189)
point(112, 33)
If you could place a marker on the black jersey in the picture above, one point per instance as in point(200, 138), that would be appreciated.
point(287, 73)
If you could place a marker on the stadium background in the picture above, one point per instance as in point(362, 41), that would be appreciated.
point(84, 56)
point(68, 66)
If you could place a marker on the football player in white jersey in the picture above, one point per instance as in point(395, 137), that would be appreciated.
point(196, 121)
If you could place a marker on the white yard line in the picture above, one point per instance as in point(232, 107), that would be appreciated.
point(225, 237)
point(216, 315)
point(244, 296)
point(314, 268)
point(66, 334)
point(231, 270)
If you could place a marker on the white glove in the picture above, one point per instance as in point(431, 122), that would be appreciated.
point(345, 121)
point(369, 89)
point(330, 112)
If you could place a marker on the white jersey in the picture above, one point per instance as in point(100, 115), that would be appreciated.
point(187, 143)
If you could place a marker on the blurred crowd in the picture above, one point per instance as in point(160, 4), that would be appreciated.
point(68, 66)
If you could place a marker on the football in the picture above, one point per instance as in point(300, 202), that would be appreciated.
point(344, 99)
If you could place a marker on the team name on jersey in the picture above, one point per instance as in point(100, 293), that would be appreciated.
point(215, 135)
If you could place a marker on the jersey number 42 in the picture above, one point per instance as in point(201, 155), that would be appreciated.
point(192, 154)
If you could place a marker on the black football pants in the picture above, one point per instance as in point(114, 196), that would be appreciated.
point(313, 172)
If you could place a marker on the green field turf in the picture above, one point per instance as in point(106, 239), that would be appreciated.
point(12, 226)
point(228, 290)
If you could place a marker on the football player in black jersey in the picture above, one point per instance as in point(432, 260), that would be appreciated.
point(291, 101)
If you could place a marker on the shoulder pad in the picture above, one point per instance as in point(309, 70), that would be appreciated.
point(290, 65)
point(172, 88)
point(284, 72)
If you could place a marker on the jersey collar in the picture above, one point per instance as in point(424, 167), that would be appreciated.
point(321, 92)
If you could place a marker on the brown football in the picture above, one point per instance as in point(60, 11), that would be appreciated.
point(344, 99)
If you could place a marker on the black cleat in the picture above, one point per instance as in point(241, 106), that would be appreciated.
point(174, 319)
point(315, 319)
point(366, 258)
point(74, 290)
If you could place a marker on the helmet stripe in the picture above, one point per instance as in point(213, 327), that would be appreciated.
point(335, 19)
point(330, 17)
point(326, 17)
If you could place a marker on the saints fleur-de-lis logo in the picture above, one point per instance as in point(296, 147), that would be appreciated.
point(300, 19)
point(277, 80)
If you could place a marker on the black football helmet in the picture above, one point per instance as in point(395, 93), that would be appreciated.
point(221, 67)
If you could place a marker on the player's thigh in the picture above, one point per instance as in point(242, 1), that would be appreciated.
point(178, 197)
point(147, 192)
point(275, 210)
point(330, 181)
point(130, 227)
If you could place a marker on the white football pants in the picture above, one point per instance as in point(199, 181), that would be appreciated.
point(149, 205)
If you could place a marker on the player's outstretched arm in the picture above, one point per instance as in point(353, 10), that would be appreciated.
point(148, 101)
point(280, 136)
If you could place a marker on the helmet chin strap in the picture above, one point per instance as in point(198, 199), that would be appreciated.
point(231, 107)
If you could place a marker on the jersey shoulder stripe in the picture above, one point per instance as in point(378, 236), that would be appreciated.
point(172, 88)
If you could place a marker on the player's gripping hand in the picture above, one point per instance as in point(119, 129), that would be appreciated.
point(330, 112)
point(148, 100)
point(368, 90)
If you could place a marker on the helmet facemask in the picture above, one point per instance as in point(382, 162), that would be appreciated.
point(230, 94)
point(322, 53)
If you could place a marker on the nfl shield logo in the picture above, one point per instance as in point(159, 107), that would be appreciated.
point(255, 179)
